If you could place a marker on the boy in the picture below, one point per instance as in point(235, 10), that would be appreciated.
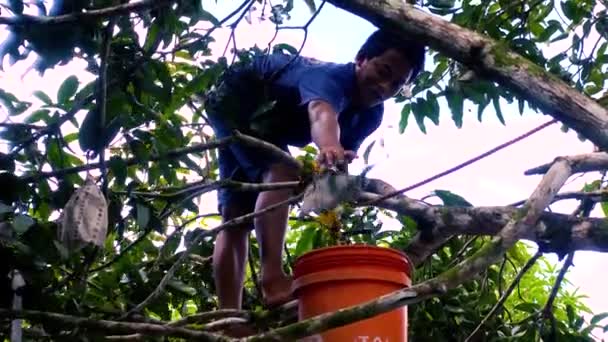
point(335, 106)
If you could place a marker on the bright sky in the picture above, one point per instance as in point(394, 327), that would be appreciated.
point(408, 158)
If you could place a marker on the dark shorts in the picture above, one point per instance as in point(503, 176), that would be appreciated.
point(229, 107)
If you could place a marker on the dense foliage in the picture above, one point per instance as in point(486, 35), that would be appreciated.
point(157, 60)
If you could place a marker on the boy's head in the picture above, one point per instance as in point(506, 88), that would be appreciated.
point(384, 64)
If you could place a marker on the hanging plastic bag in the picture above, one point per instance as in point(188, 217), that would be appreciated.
point(84, 218)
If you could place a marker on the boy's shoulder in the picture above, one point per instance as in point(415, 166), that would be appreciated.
point(289, 64)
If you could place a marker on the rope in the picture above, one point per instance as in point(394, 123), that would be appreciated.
point(462, 165)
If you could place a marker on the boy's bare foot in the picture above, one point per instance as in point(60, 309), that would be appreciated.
point(277, 291)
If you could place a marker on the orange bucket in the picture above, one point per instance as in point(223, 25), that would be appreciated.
point(332, 278)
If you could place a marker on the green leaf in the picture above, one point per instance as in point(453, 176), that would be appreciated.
point(367, 151)
point(451, 199)
point(16, 6)
point(520, 105)
point(7, 163)
point(306, 240)
point(42, 96)
point(21, 223)
point(605, 208)
point(12, 104)
point(204, 15)
point(284, 46)
point(90, 133)
point(496, 104)
point(181, 287)
point(599, 317)
point(405, 114)
point(311, 5)
point(527, 307)
point(456, 103)
point(119, 169)
point(418, 110)
point(433, 107)
point(139, 149)
point(39, 115)
point(143, 215)
point(442, 3)
point(553, 26)
point(67, 89)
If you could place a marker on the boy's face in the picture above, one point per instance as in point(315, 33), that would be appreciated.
point(381, 77)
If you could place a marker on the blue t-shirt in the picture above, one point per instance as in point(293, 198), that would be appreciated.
point(306, 79)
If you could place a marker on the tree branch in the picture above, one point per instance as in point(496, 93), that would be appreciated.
point(492, 60)
point(590, 162)
point(596, 196)
point(96, 14)
point(110, 327)
point(237, 138)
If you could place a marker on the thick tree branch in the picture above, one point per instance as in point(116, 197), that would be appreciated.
point(111, 11)
point(110, 327)
point(555, 232)
point(492, 60)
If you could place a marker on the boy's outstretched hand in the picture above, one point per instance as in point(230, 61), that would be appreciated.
point(335, 157)
point(325, 132)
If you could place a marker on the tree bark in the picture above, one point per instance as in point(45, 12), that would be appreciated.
point(491, 60)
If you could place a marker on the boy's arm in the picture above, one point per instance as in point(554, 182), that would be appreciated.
point(325, 133)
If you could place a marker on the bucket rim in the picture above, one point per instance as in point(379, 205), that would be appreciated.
point(385, 251)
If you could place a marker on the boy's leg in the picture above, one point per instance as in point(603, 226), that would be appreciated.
point(232, 244)
point(229, 259)
point(270, 232)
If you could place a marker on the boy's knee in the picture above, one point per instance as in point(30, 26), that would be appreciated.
point(280, 172)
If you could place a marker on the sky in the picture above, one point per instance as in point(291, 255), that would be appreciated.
point(405, 159)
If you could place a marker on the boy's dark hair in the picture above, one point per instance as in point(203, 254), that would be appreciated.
point(381, 40)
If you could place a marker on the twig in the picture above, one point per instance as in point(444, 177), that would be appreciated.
point(506, 295)
point(237, 137)
point(596, 196)
point(26, 20)
point(131, 161)
point(210, 186)
point(222, 317)
point(548, 309)
point(204, 317)
point(20, 125)
point(254, 273)
point(222, 22)
point(110, 327)
point(462, 250)
point(233, 222)
point(102, 93)
point(275, 75)
point(462, 165)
